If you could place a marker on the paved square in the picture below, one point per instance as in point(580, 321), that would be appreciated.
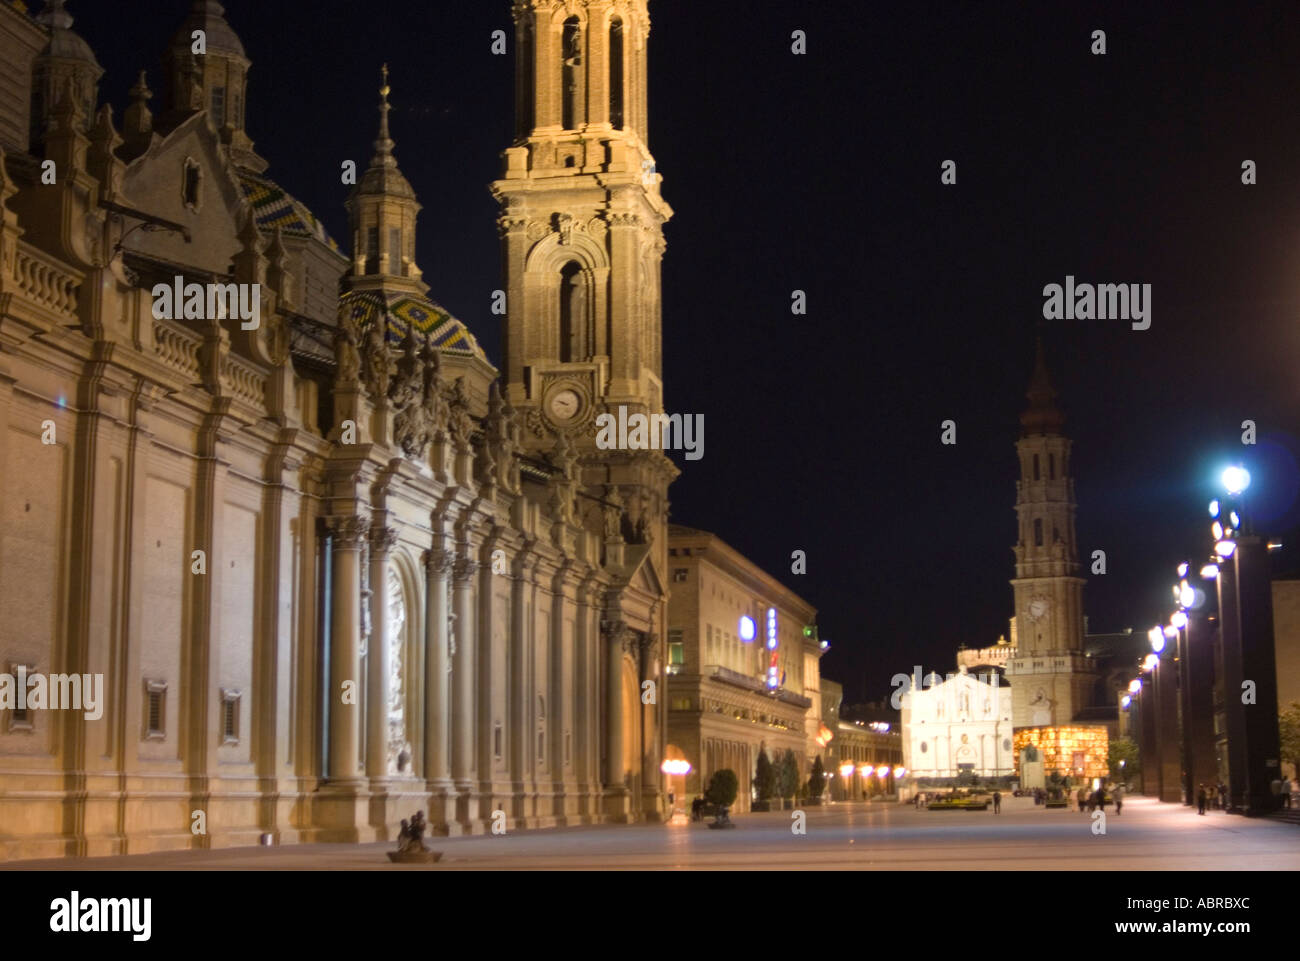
point(1147, 836)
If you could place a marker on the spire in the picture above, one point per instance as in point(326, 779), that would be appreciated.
point(384, 145)
point(1042, 416)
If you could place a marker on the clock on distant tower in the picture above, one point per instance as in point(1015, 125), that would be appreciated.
point(1038, 608)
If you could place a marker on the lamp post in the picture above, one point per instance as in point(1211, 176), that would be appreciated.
point(1249, 669)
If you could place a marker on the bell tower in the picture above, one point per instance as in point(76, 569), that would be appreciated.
point(1052, 680)
point(581, 229)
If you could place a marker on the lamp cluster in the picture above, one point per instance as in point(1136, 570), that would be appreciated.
point(1225, 526)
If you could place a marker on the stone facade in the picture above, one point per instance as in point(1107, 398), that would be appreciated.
point(721, 708)
point(958, 726)
point(331, 569)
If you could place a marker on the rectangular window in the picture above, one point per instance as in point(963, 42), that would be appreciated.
point(568, 747)
point(1051, 467)
point(155, 710)
point(679, 575)
point(394, 250)
point(1038, 532)
point(541, 745)
point(496, 742)
point(20, 719)
point(1035, 467)
point(229, 717)
point(372, 249)
point(677, 653)
point(219, 106)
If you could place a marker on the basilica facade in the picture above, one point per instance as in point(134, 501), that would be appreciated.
point(331, 564)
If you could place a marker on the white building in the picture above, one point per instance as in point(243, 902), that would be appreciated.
point(958, 726)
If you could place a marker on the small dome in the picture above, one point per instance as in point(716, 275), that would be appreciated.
point(209, 16)
point(64, 43)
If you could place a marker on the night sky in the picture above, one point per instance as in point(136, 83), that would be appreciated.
point(821, 173)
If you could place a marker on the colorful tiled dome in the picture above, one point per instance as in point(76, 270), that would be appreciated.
point(402, 311)
point(273, 207)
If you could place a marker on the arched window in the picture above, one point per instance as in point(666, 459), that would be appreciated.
point(573, 314)
point(616, 73)
point(1035, 467)
point(572, 52)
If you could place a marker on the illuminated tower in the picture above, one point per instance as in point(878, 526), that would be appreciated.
point(1052, 680)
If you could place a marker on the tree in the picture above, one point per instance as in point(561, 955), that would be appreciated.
point(766, 777)
point(789, 775)
point(817, 781)
point(1288, 729)
point(722, 790)
point(1124, 749)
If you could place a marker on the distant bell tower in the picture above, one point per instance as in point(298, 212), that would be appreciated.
point(1051, 680)
point(581, 228)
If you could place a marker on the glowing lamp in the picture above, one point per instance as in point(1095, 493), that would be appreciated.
point(1179, 620)
point(1171, 632)
point(899, 771)
point(1149, 664)
point(1210, 571)
point(1134, 685)
point(746, 629)
point(846, 770)
point(1182, 569)
point(1214, 509)
point(1236, 480)
point(1216, 529)
point(1125, 701)
point(1225, 548)
point(883, 770)
point(1187, 596)
point(675, 767)
point(1157, 638)
point(1234, 519)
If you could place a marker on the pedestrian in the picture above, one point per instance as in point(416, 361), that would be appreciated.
point(1223, 796)
point(1286, 793)
point(1201, 798)
point(997, 802)
point(1119, 801)
point(1082, 796)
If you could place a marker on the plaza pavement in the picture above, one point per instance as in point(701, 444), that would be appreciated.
point(853, 836)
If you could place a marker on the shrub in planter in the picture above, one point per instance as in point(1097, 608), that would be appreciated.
point(766, 784)
point(788, 777)
point(723, 787)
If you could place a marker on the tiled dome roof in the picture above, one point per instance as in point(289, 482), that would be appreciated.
point(273, 207)
point(401, 312)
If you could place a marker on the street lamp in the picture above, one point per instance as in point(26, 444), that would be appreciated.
point(1236, 480)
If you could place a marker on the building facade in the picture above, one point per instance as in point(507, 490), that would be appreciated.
point(743, 673)
point(329, 566)
point(958, 727)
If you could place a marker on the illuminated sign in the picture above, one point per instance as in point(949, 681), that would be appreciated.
point(747, 629)
point(773, 679)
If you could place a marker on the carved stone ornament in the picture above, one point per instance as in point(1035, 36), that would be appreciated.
point(464, 569)
point(383, 540)
point(350, 531)
point(439, 562)
point(415, 393)
point(376, 362)
point(615, 632)
point(461, 422)
point(345, 352)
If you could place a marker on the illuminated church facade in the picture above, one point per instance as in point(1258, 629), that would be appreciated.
point(332, 565)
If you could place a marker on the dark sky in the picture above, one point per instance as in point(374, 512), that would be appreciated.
point(821, 173)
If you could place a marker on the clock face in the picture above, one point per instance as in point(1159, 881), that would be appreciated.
point(1038, 608)
point(564, 405)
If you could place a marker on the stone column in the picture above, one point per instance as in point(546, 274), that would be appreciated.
point(615, 632)
point(379, 654)
point(462, 755)
point(437, 663)
point(345, 648)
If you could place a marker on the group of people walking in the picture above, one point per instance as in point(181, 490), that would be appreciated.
point(1097, 799)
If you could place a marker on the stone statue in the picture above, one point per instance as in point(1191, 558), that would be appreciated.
point(410, 843)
